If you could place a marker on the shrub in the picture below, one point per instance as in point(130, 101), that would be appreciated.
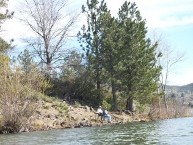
point(18, 96)
point(106, 105)
point(175, 108)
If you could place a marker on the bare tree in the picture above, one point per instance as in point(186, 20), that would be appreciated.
point(169, 59)
point(50, 24)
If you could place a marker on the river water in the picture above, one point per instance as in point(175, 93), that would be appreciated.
point(167, 132)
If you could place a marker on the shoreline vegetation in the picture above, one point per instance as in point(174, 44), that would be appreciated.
point(57, 114)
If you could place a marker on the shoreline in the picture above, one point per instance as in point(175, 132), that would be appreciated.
point(77, 117)
point(57, 114)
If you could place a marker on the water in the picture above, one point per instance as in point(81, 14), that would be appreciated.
point(167, 132)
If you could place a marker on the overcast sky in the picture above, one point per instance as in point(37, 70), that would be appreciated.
point(172, 19)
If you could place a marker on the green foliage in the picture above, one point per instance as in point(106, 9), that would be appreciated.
point(73, 66)
point(110, 52)
point(30, 69)
point(26, 61)
point(73, 89)
point(118, 53)
point(141, 107)
point(71, 70)
point(44, 97)
point(4, 16)
point(106, 105)
point(91, 40)
point(83, 91)
point(118, 58)
point(3, 46)
point(137, 67)
point(75, 83)
point(61, 107)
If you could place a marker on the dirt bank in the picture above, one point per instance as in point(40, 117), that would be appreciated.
point(59, 114)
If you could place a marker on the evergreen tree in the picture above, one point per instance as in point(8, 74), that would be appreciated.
point(26, 61)
point(138, 71)
point(110, 52)
point(3, 16)
point(91, 36)
point(72, 68)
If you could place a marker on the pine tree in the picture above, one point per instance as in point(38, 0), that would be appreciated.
point(138, 70)
point(110, 52)
point(26, 61)
point(91, 37)
point(3, 16)
point(72, 68)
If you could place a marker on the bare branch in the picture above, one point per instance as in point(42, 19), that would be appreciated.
point(46, 19)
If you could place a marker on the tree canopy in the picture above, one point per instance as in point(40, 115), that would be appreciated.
point(118, 48)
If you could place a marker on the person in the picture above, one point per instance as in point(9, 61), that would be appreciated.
point(100, 112)
point(106, 115)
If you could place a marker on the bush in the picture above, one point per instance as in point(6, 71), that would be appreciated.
point(106, 105)
point(174, 109)
point(79, 89)
point(18, 96)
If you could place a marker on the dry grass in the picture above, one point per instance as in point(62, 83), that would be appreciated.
point(175, 109)
point(18, 97)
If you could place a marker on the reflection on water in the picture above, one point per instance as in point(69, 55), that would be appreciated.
point(167, 132)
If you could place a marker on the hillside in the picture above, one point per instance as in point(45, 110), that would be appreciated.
point(184, 93)
point(186, 89)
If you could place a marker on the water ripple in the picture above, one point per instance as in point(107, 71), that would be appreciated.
point(166, 132)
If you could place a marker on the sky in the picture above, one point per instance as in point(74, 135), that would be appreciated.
point(169, 20)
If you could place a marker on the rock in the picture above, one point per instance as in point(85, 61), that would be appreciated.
point(38, 112)
point(91, 109)
point(73, 118)
point(83, 123)
point(71, 108)
point(87, 109)
point(24, 129)
point(77, 116)
point(56, 123)
point(69, 126)
point(53, 117)
point(62, 124)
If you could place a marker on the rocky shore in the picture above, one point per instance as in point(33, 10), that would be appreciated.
point(52, 113)
point(59, 114)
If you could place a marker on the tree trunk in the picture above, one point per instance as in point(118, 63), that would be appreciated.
point(48, 68)
point(166, 105)
point(112, 73)
point(160, 108)
point(114, 95)
point(98, 83)
point(129, 105)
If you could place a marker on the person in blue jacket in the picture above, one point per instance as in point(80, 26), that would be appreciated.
point(106, 115)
